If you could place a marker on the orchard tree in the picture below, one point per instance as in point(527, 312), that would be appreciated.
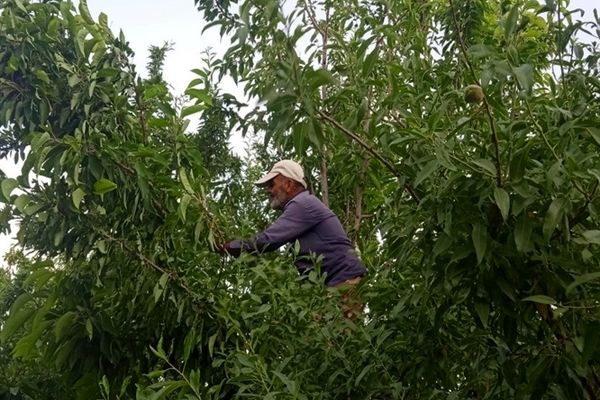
point(458, 143)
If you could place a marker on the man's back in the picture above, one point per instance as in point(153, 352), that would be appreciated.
point(319, 232)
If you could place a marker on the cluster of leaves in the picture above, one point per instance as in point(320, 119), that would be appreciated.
point(479, 222)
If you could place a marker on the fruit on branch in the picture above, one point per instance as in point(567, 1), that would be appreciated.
point(473, 94)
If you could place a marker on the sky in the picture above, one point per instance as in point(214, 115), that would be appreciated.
point(152, 22)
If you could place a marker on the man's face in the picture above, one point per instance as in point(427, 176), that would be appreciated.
point(278, 190)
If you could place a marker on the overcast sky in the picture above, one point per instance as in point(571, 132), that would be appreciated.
point(152, 22)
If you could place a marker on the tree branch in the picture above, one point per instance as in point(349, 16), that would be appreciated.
point(371, 150)
point(486, 105)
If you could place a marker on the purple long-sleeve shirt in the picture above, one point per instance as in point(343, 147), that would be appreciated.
point(318, 230)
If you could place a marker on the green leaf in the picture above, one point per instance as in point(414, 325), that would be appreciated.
point(188, 344)
point(426, 171)
point(319, 78)
point(85, 12)
point(80, 41)
point(21, 202)
point(510, 24)
point(362, 374)
point(581, 279)
point(156, 374)
point(89, 328)
point(18, 315)
point(480, 241)
point(555, 213)
point(185, 181)
point(20, 5)
point(164, 278)
point(592, 236)
point(502, 201)
point(522, 233)
point(541, 299)
point(595, 133)
point(64, 323)
point(183, 205)
point(591, 340)
point(486, 165)
point(211, 344)
point(103, 186)
point(41, 75)
point(200, 94)
point(8, 185)
point(483, 312)
point(77, 196)
point(369, 63)
point(289, 384)
point(187, 111)
point(524, 75)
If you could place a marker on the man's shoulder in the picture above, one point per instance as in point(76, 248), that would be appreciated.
point(305, 198)
point(310, 204)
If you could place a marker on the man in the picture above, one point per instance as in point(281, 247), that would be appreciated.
point(306, 219)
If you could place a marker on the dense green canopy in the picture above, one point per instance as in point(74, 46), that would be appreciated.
point(458, 143)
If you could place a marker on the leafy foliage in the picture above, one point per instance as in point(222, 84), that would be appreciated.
point(478, 220)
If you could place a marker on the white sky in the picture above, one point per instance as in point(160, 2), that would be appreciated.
point(152, 22)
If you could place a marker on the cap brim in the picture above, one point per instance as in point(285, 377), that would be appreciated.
point(266, 178)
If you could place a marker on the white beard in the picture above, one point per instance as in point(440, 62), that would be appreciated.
point(277, 202)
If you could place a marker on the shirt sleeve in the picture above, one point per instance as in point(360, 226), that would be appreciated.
point(294, 221)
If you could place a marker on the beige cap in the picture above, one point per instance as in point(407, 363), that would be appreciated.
point(288, 168)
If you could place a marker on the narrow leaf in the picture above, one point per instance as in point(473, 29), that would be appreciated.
point(522, 233)
point(103, 186)
point(89, 328)
point(63, 324)
point(362, 374)
point(555, 212)
point(591, 340)
point(591, 236)
point(211, 344)
point(541, 299)
point(426, 171)
point(580, 280)
point(185, 181)
point(183, 205)
point(8, 185)
point(22, 201)
point(524, 75)
point(480, 241)
point(187, 111)
point(78, 195)
point(486, 165)
point(595, 133)
point(502, 201)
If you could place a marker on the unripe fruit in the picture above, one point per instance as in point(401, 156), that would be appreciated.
point(473, 94)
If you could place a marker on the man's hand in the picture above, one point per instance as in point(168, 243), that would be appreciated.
point(226, 249)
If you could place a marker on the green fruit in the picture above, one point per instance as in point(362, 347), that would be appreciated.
point(473, 94)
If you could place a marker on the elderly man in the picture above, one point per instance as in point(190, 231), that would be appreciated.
point(306, 219)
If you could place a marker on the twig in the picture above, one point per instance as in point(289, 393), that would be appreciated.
point(140, 103)
point(541, 131)
point(324, 167)
point(171, 275)
point(309, 11)
point(373, 152)
point(581, 213)
point(486, 105)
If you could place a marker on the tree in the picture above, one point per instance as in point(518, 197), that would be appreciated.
point(478, 219)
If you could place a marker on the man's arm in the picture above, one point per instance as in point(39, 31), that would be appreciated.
point(294, 221)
